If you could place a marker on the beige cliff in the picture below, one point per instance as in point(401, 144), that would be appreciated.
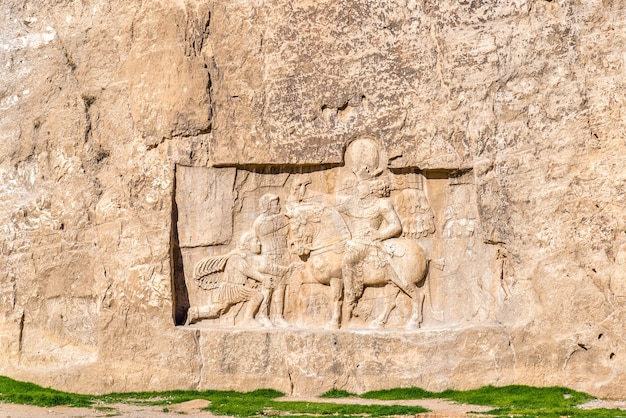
point(306, 195)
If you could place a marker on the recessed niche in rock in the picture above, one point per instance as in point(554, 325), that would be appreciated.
point(332, 246)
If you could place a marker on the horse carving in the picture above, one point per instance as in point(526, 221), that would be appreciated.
point(320, 235)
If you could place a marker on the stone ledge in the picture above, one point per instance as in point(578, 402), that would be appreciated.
point(303, 362)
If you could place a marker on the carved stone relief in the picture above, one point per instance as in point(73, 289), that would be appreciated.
point(359, 245)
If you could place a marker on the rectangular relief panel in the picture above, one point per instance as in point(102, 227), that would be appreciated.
point(204, 198)
point(351, 246)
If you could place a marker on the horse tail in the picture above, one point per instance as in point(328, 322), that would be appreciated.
point(439, 264)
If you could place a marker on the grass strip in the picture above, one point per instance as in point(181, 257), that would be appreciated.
point(338, 393)
point(399, 394)
point(513, 400)
point(157, 398)
point(24, 393)
point(255, 403)
point(261, 402)
point(556, 413)
point(346, 410)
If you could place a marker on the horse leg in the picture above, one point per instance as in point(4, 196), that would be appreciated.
point(408, 286)
point(278, 300)
point(262, 315)
point(391, 293)
point(296, 283)
point(347, 275)
point(417, 298)
point(336, 288)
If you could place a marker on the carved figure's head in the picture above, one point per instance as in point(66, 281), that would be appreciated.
point(298, 188)
point(249, 242)
point(365, 158)
point(269, 203)
point(379, 188)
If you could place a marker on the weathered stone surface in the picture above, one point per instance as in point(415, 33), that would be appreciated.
point(103, 104)
point(205, 206)
point(304, 361)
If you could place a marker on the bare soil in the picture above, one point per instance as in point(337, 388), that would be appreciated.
point(187, 409)
point(604, 403)
point(440, 408)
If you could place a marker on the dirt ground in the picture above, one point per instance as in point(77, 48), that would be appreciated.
point(187, 409)
point(440, 408)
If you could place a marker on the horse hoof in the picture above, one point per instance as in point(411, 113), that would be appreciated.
point(265, 321)
point(281, 323)
point(413, 325)
point(251, 323)
point(377, 324)
point(332, 326)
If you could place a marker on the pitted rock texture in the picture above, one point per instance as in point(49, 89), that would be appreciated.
point(101, 101)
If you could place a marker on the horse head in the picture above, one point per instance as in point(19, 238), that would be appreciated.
point(315, 227)
point(304, 225)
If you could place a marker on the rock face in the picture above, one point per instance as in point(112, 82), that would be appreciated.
point(138, 140)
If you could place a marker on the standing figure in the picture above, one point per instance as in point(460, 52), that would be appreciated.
point(232, 286)
point(271, 228)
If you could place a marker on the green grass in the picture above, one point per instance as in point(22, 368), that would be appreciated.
point(13, 391)
point(399, 394)
point(517, 396)
point(155, 398)
point(259, 402)
point(338, 393)
point(345, 410)
point(247, 404)
point(556, 413)
point(518, 401)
